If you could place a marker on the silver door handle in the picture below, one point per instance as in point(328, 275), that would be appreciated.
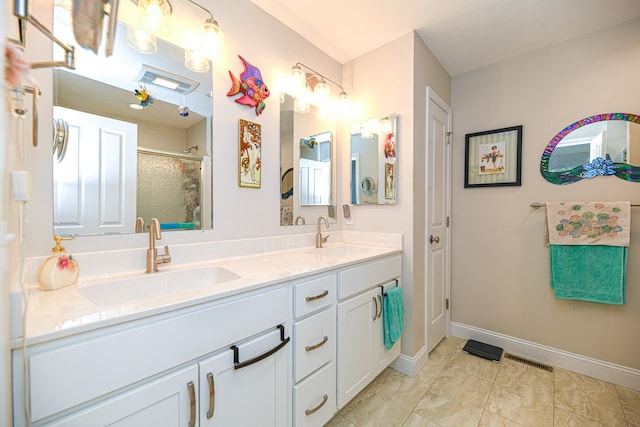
point(315, 346)
point(434, 239)
point(317, 408)
point(375, 310)
point(380, 304)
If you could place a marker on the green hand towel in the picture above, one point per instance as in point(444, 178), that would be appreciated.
point(589, 273)
point(393, 316)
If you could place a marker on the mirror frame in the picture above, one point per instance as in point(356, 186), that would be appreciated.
point(599, 167)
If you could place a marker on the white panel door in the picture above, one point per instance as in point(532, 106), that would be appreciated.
point(94, 186)
point(357, 329)
point(255, 395)
point(167, 402)
point(438, 212)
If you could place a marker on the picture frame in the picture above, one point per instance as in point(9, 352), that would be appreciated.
point(249, 154)
point(493, 158)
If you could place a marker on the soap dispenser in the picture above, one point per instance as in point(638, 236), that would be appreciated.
point(59, 269)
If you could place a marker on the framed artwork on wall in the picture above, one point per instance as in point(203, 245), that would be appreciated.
point(493, 158)
point(249, 154)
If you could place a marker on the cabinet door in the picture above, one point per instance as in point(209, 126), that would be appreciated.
point(255, 395)
point(167, 402)
point(357, 328)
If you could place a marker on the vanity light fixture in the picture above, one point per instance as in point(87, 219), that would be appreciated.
point(154, 15)
point(314, 85)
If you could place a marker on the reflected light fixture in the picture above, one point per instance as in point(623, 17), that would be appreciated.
point(194, 61)
point(313, 85)
point(141, 41)
point(385, 125)
point(154, 16)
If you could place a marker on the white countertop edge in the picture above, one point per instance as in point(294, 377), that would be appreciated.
point(277, 267)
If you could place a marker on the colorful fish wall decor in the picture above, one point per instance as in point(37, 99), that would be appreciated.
point(254, 90)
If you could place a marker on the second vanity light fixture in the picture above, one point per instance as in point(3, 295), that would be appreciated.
point(153, 19)
point(310, 87)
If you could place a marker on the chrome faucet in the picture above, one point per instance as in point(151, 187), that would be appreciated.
point(153, 259)
point(320, 239)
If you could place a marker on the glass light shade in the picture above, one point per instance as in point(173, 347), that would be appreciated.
point(154, 16)
point(321, 92)
point(297, 80)
point(301, 105)
point(195, 62)
point(212, 40)
point(385, 125)
point(141, 41)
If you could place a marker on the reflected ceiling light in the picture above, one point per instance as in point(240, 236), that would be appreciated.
point(303, 83)
point(141, 41)
point(165, 83)
point(154, 16)
point(195, 62)
point(136, 106)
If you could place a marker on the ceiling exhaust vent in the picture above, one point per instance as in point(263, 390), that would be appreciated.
point(149, 75)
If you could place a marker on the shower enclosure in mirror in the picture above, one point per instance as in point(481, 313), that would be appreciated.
point(125, 156)
point(605, 144)
point(373, 162)
point(306, 164)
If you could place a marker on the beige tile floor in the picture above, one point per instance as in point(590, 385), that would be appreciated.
point(456, 390)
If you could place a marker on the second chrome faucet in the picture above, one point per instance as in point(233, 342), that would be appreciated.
point(320, 239)
point(153, 259)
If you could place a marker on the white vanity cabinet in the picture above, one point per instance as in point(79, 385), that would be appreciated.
point(361, 354)
point(314, 351)
point(154, 371)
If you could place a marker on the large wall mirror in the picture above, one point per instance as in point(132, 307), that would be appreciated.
point(120, 159)
point(605, 144)
point(373, 162)
point(307, 159)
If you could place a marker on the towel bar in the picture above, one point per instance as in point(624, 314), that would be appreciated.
point(538, 205)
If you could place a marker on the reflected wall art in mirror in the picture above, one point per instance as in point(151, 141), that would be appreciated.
point(138, 143)
point(600, 145)
point(373, 162)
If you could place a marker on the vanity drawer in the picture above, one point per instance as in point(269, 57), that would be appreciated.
point(354, 280)
point(315, 342)
point(314, 400)
point(313, 295)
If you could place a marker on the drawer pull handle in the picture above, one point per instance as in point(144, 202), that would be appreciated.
point(236, 356)
point(375, 309)
point(316, 297)
point(212, 395)
point(192, 406)
point(380, 306)
point(315, 346)
point(317, 408)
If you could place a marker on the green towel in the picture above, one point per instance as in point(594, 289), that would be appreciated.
point(589, 272)
point(393, 316)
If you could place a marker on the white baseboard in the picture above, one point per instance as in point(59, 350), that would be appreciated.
point(605, 371)
point(410, 366)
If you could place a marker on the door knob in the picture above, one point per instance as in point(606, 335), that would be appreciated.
point(434, 239)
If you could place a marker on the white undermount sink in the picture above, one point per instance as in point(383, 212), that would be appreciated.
point(339, 251)
point(155, 285)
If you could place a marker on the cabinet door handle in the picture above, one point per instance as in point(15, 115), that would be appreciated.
point(212, 395)
point(320, 344)
point(380, 306)
point(316, 297)
point(317, 408)
point(375, 309)
point(236, 356)
point(192, 408)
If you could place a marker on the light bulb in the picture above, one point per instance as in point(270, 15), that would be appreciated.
point(297, 80)
point(154, 15)
point(212, 39)
point(385, 125)
point(141, 41)
point(195, 62)
point(321, 91)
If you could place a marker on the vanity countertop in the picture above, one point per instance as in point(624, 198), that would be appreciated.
point(77, 308)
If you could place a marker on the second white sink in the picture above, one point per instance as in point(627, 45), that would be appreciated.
point(155, 285)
